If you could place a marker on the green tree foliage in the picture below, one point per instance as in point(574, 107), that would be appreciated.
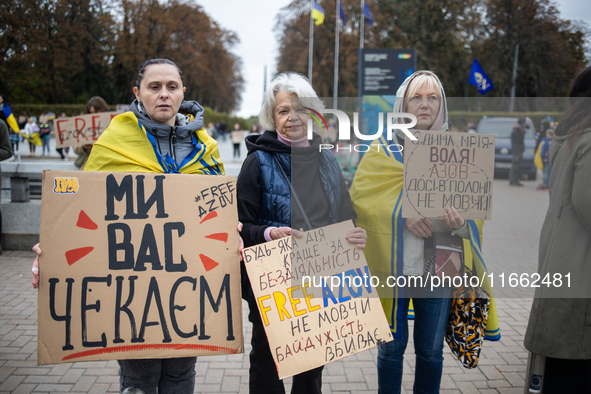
point(65, 51)
point(447, 35)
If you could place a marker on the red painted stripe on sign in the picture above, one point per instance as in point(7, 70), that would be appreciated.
point(76, 254)
point(156, 346)
point(85, 222)
point(208, 263)
point(211, 215)
point(218, 237)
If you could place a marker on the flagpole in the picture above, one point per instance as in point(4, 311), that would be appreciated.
point(512, 102)
point(336, 57)
point(464, 106)
point(362, 27)
point(311, 42)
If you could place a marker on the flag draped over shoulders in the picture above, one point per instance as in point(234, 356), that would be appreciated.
point(125, 146)
point(377, 198)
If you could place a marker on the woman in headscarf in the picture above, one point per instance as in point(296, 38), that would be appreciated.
point(265, 198)
point(396, 246)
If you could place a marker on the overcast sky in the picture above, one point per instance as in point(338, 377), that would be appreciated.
point(253, 21)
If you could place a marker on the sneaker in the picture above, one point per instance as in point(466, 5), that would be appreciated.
point(65, 159)
point(542, 188)
point(516, 184)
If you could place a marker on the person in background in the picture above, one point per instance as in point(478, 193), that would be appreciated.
point(22, 120)
point(14, 140)
point(546, 158)
point(265, 204)
point(237, 137)
point(212, 131)
point(95, 105)
point(517, 149)
point(44, 134)
point(5, 153)
point(140, 141)
point(471, 128)
point(63, 151)
point(546, 124)
point(31, 129)
point(254, 129)
point(223, 129)
point(559, 328)
point(396, 246)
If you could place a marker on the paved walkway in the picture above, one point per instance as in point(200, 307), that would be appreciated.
point(510, 245)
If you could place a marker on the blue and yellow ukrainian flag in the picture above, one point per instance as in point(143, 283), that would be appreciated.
point(9, 117)
point(317, 14)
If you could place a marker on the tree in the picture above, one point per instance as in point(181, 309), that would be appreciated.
point(447, 35)
point(551, 50)
point(65, 51)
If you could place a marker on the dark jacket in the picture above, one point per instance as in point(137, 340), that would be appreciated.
point(5, 147)
point(517, 139)
point(307, 179)
point(560, 319)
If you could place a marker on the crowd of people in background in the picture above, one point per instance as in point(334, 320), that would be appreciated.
point(38, 131)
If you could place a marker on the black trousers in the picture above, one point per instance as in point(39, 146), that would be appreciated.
point(566, 376)
point(515, 172)
point(263, 377)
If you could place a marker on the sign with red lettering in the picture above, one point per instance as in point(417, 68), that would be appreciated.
point(81, 130)
point(448, 169)
point(138, 265)
point(315, 298)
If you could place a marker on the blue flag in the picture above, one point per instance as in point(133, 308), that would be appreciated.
point(368, 14)
point(480, 79)
point(342, 14)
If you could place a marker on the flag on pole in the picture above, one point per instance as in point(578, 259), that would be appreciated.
point(342, 14)
point(318, 14)
point(480, 79)
point(10, 121)
point(368, 14)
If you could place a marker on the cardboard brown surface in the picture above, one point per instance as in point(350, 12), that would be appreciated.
point(448, 169)
point(311, 327)
point(82, 129)
point(138, 265)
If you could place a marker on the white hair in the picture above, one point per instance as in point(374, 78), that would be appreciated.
point(287, 82)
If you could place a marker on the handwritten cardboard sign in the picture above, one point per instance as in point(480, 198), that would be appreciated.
point(449, 169)
point(138, 265)
point(82, 129)
point(310, 319)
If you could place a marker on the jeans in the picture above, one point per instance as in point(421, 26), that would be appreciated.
point(546, 180)
point(431, 315)
point(263, 377)
point(169, 375)
point(515, 172)
point(45, 142)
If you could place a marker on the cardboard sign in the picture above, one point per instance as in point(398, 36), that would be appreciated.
point(138, 265)
point(449, 169)
point(81, 130)
point(309, 318)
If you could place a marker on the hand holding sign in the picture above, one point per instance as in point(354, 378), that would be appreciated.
point(309, 318)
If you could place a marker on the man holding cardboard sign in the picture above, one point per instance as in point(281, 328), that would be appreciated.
point(144, 227)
